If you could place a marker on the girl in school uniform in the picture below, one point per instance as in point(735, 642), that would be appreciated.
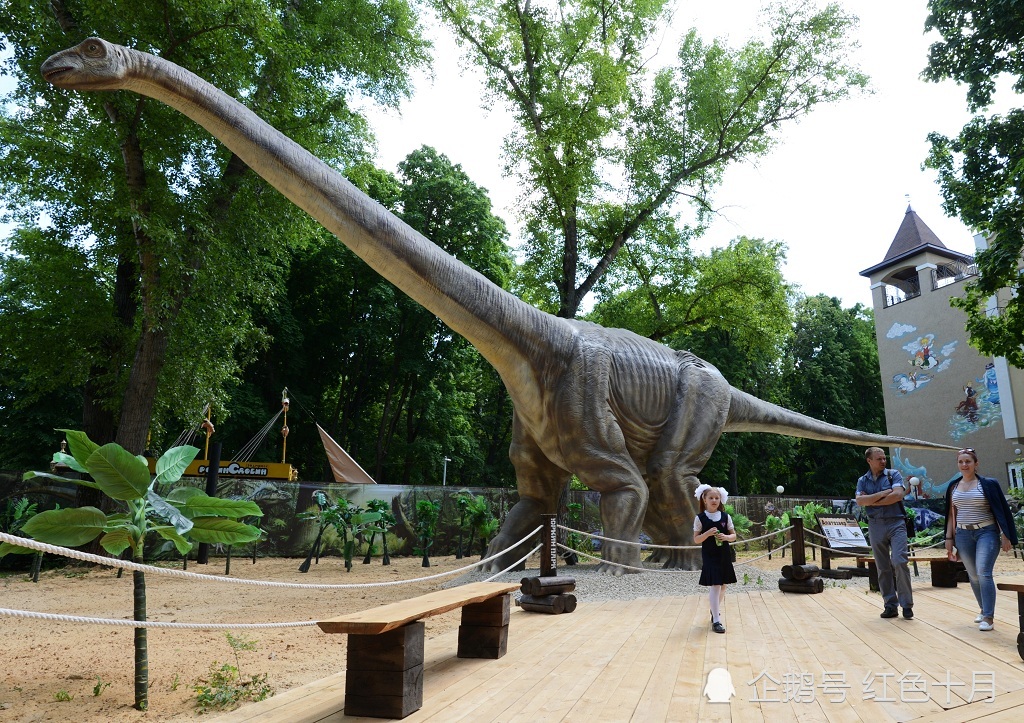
point(713, 531)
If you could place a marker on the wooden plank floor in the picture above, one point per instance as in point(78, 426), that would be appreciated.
point(825, 657)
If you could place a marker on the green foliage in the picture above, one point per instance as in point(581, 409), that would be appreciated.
point(427, 515)
point(225, 687)
point(831, 373)
point(144, 249)
point(100, 686)
point(981, 171)
point(16, 512)
point(776, 523)
point(405, 390)
point(62, 696)
point(809, 512)
point(604, 147)
point(347, 519)
point(183, 514)
point(481, 520)
point(741, 523)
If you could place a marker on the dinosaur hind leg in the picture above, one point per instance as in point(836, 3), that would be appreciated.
point(539, 483)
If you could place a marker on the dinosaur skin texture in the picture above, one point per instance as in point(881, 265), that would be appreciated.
point(634, 420)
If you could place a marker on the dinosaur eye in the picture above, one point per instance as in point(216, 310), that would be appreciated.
point(93, 48)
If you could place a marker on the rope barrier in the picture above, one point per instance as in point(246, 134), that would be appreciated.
point(646, 545)
point(134, 566)
point(152, 624)
point(660, 569)
point(524, 558)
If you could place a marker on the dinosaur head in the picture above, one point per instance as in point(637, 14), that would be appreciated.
point(93, 64)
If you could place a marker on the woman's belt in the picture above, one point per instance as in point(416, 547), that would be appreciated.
point(975, 527)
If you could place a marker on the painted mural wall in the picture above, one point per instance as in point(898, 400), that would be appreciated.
point(938, 388)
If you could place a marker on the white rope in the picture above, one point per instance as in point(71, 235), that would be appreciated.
point(646, 545)
point(617, 564)
point(134, 566)
point(767, 554)
point(152, 624)
point(521, 559)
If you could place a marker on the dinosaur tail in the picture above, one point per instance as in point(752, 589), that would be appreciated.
point(750, 414)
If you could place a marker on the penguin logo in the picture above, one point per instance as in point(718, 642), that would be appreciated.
point(719, 687)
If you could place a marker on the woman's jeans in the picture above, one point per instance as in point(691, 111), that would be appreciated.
point(978, 550)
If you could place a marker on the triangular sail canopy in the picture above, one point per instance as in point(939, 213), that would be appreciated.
point(345, 468)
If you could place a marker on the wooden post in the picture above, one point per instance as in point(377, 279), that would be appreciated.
point(799, 555)
point(549, 551)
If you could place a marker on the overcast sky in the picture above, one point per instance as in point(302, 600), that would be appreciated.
point(835, 190)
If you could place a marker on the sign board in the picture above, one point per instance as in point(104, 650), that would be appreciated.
point(249, 470)
point(842, 531)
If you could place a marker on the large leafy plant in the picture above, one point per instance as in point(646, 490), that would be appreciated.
point(185, 516)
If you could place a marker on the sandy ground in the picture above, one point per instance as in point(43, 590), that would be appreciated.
point(43, 661)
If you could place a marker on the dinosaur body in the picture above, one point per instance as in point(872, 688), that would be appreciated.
point(631, 418)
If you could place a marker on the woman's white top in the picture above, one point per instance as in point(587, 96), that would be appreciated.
point(971, 507)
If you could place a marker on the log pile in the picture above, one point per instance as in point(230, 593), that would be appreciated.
point(548, 595)
point(801, 578)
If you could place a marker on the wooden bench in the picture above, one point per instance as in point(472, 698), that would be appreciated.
point(384, 671)
point(1017, 587)
point(945, 573)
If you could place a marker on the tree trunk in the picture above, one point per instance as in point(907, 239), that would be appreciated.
point(141, 647)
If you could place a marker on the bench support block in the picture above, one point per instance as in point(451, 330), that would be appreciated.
point(384, 673)
point(484, 629)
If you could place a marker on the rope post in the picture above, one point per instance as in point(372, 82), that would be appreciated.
point(549, 553)
point(212, 470)
point(799, 554)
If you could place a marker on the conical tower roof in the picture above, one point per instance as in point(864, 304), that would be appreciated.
point(913, 234)
point(914, 237)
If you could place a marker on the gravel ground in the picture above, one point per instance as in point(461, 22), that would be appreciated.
point(761, 574)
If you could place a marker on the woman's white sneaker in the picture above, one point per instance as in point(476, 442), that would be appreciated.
point(979, 618)
point(986, 625)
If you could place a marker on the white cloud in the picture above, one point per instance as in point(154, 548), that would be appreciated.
point(897, 330)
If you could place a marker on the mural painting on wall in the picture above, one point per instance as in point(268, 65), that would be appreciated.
point(980, 406)
point(924, 361)
point(927, 488)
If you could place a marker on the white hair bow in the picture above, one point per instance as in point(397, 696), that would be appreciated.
point(702, 488)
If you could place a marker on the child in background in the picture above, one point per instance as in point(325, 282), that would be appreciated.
point(713, 530)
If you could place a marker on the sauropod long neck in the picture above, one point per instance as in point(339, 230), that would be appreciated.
point(500, 325)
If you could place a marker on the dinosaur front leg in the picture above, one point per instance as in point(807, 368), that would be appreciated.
point(624, 499)
point(669, 521)
point(539, 483)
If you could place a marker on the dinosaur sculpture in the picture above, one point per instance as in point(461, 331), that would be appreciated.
point(631, 418)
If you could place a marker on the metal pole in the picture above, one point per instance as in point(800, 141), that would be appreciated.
point(212, 471)
point(444, 473)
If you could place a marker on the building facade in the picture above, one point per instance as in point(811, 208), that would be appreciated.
point(935, 385)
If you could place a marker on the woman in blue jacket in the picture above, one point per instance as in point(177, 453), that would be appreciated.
point(979, 522)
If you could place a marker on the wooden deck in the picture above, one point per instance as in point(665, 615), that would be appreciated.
point(825, 657)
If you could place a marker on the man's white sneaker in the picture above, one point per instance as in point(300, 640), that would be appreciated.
point(979, 618)
point(986, 625)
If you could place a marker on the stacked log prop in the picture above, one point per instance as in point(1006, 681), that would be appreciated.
point(548, 595)
point(800, 577)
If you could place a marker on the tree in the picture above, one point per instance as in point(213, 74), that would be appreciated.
point(391, 383)
point(179, 237)
point(732, 309)
point(605, 148)
point(183, 516)
point(981, 171)
point(832, 374)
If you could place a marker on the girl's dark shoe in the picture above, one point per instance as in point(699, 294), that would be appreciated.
point(889, 613)
point(718, 627)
